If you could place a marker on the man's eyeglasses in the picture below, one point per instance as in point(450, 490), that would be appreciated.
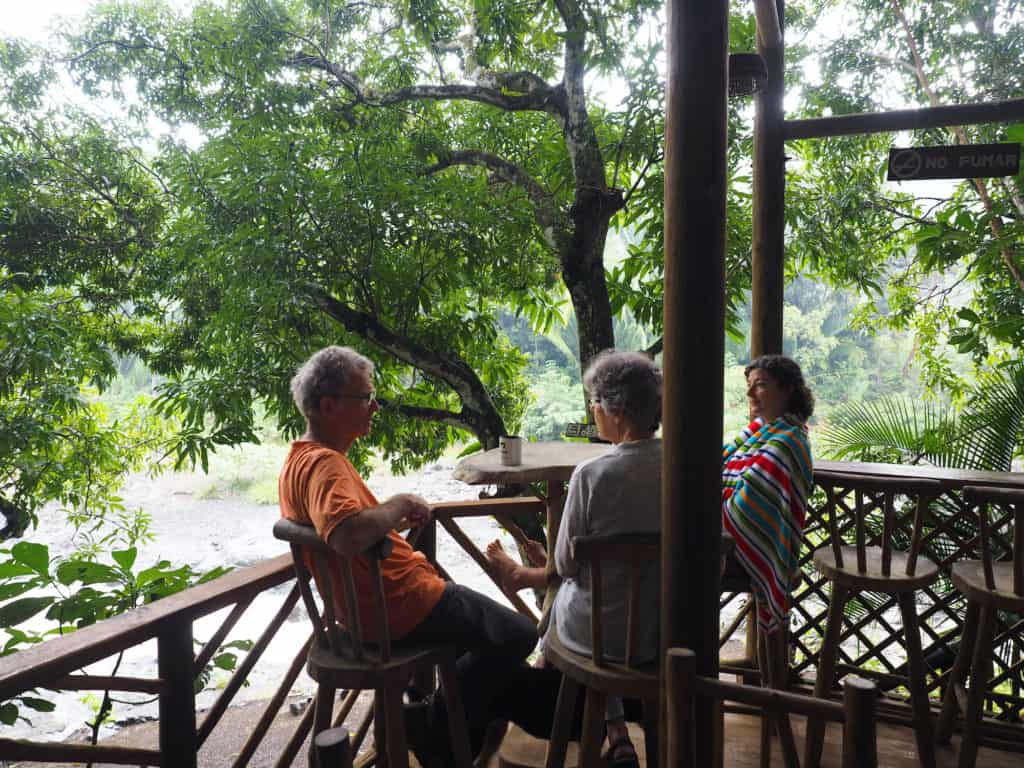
point(594, 402)
point(369, 398)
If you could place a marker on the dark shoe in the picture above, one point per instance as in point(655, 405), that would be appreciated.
point(427, 742)
point(622, 754)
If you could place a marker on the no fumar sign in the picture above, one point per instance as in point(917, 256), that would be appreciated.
point(970, 161)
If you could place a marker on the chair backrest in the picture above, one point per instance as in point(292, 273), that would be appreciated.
point(878, 493)
point(1011, 499)
point(856, 713)
point(638, 553)
point(303, 540)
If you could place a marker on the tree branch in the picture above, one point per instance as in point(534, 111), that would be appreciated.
point(479, 413)
point(511, 91)
point(451, 418)
point(551, 220)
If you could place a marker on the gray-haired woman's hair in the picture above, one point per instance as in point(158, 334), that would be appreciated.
point(787, 374)
point(325, 374)
point(628, 384)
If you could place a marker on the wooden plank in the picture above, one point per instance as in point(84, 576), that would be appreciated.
point(948, 478)
point(107, 683)
point(61, 656)
point(53, 752)
point(490, 507)
point(1007, 111)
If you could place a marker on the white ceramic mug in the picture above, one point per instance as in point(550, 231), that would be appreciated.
point(511, 448)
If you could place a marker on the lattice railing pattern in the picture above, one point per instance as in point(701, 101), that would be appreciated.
point(871, 640)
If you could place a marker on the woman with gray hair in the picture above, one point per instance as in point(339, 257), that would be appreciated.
point(618, 492)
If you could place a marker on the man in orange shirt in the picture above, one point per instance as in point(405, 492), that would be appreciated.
point(319, 486)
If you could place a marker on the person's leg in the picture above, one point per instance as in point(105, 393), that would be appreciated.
point(492, 642)
point(512, 575)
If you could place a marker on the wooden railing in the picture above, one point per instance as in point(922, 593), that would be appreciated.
point(871, 644)
point(52, 665)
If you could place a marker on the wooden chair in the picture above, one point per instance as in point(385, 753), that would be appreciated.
point(989, 587)
point(341, 658)
point(872, 565)
point(856, 713)
point(595, 672)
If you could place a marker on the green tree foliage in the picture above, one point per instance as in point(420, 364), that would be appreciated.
point(950, 265)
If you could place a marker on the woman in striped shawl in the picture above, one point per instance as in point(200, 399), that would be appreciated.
point(766, 478)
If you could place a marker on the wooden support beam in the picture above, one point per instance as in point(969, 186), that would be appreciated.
point(769, 228)
point(905, 119)
point(695, 187)
point(769, 23)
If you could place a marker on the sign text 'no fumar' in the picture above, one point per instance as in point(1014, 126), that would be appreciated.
point(970, 161)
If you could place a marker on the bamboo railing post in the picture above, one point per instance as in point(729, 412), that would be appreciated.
point(680, 672)
point(860, 748)
point(424, 679)
point(333, 748)
point(178, 738)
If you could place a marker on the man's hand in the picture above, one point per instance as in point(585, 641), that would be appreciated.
point(415, 509)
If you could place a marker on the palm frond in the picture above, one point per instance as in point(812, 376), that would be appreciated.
point(892, 429)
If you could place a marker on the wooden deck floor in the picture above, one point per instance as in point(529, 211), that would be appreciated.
point(896, 748)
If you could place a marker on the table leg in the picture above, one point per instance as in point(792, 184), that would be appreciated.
point(555, 504)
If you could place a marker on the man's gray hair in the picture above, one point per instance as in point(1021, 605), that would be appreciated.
point(628, 384)
point(325, 374)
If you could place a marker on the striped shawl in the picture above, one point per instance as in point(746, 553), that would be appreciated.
point(766, 478)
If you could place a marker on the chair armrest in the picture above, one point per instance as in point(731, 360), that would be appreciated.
point(306, 536)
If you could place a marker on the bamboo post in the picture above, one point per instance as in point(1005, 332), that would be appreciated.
point(178, 740)
point(680, 671)
point(769, 177)
point(333, 748)
point(860, 748)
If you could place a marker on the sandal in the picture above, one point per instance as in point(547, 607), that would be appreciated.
point(622, 754)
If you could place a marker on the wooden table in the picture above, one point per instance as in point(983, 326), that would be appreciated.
point(550, 463)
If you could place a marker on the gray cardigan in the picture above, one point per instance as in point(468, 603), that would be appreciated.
point(619, 492)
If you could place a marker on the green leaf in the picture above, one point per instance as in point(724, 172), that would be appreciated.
point(7, 591)
point(12, 614)
point(125, 558)
point(35, 556)
point(225, 661)
point(39, 705)
point(8, 713)
point(11, 569)
point(87, 572)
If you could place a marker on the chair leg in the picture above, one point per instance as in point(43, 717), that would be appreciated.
point(380, 731)
point(767, 720)
point(565, 708)
point(394, 727)
point(776, 646)
point(980, 673)
point(322, 713)
point(962, 665)
point(826, 673)
point(651, 731)
point(918, 691)
point(457, 729)
point(593, 728)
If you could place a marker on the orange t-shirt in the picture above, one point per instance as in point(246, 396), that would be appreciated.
point(319, 486)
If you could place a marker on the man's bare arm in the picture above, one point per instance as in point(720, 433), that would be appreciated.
point(362, 530)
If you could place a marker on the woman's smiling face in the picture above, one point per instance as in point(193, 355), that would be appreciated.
point(765, 396)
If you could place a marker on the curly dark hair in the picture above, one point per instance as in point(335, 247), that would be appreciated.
point(787, 375)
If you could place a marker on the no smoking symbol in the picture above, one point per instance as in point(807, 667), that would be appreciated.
point(905, 164)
